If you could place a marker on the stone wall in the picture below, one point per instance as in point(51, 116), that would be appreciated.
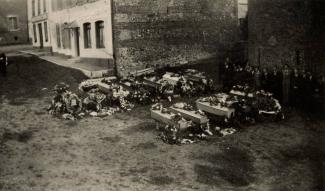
point(17, 8)
point(280, 33)
point(315, 48)
point(172, 32)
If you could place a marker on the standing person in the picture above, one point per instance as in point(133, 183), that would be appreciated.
point(321, 82)
point(265, 80)
point(3, 64)
point(295, 88)
point(228, 71)
point(286, 84)
point(311, 86)
point(276, 83)
point(303, 90)
point(257, 79)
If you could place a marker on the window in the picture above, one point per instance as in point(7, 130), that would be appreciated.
point(35, 33)
point(44, 6)
point(45, 32)
point(12, 23)
point(59, 5)
point(33, 7)
point(242, 9)
point(100, 34)
point(58, 36)
point(243, 19)
point(38, 7)
point(87, 35)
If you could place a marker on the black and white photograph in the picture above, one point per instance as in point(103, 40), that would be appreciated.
point(162, 95)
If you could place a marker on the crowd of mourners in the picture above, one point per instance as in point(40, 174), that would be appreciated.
point(291, 86)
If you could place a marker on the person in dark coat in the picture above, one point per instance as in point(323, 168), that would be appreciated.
point(3, 64)
point(265, 81)
point(275, 83)
point(228, 71)
point(257, 79)
point(249, 76)
point(304, 89)
point(311, 91)
point(321, 82)
point(286, 85)
point(295, 88)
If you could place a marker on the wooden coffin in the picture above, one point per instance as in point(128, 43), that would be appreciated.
point(191, 115)
point(215, 110)
point(166, 118)
point(194, 78)
point(104, 87)
point(171, 79)
point(150, 83)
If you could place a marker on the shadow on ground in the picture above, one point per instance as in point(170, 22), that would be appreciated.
point(30, 77)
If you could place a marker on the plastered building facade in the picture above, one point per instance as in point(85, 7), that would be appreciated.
point(38, 17)
point(79, 23)
point(13, 22)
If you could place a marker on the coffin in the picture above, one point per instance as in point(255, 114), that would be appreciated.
point(170, 79)
point(150, 83)
point(191, 115)
point(104, 87)
point(166, 118)
point(195, 78)
point(215, 110)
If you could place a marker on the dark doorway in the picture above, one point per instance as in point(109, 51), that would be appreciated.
point(40, 30)
point(77, 43)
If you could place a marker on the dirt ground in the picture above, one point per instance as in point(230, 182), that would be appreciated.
point(122, 152)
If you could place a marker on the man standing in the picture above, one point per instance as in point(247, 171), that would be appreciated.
point(276, 83)
point(3, 64)
point(257, 79)
point(295, 89)
point(286, 84)
point(265, 81)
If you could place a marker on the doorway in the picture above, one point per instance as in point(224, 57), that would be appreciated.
point(77, 43)
point(40, 30)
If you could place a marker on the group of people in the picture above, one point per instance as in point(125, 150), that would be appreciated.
point(293, 87)
point(3, 64)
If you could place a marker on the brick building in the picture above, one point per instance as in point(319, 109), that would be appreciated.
point(13, 22)
point(287, 32)
point(135, 34)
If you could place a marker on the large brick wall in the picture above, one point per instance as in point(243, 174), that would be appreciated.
point(280, 33)
point(172, 32)
point(13, 7)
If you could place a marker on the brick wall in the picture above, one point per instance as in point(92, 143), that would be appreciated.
point(16, 8)
point(280, 33)
point(172, 32)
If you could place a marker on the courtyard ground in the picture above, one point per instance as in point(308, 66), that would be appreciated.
point(122, 152)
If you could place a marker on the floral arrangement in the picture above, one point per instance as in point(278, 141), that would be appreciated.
point(244, 89)
point(265, 103)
